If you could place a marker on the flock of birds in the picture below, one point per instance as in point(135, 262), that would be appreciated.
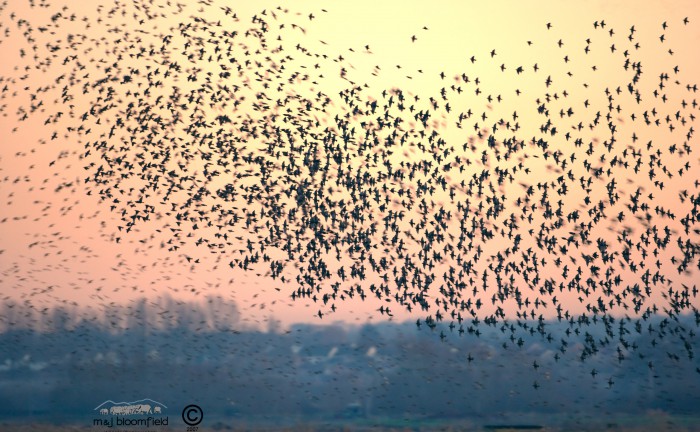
point(218, 132)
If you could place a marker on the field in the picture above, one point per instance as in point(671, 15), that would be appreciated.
point(652, 422)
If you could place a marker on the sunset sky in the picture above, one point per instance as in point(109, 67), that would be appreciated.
point(58, 242)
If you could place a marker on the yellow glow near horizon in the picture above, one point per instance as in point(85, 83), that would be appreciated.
point(60, 245)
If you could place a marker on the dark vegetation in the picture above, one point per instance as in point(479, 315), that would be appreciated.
point(58, 364)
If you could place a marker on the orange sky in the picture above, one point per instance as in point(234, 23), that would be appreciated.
point(58, 244)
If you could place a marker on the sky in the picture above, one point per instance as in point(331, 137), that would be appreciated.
point(58, 241)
